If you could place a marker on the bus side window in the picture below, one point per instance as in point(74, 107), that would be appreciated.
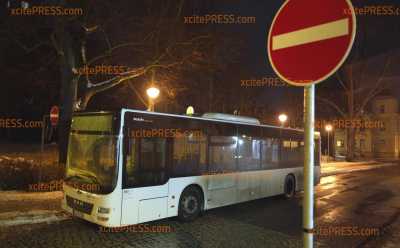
point(130, 163)
point(269, 153)
point(152, 158)
point(222, 148)
point(145, 162)
point(189, 154)
point(248, 148)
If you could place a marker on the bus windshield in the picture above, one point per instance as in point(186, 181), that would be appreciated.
point(91, 160)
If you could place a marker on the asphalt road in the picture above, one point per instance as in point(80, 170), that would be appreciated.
point(359, 209)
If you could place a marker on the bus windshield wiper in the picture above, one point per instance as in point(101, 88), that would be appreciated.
point(84, 176)
point(74, 176)
point(93, 178)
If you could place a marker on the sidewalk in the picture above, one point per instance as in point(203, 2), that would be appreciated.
point(18, 208)
point(334, 168)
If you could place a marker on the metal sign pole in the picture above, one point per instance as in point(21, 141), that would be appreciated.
point(308, 199)
point(42, 146)
point(328, 149)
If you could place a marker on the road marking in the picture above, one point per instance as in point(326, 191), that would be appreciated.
point(312, 34)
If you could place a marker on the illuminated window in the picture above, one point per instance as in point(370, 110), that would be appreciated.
point(339, 143)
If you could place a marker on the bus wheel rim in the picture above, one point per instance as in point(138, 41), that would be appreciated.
point(190, 204)
point(289, 187)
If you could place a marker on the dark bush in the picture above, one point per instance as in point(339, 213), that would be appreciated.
point(18, 173)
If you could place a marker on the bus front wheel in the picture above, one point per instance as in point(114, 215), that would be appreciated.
point(190, 204)
point(290, 186)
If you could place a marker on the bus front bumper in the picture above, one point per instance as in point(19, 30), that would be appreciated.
point(89, 207)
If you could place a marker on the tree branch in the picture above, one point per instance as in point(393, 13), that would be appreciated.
point(376, 89)
point(336, 107)
point(132, 87)
point(341, 82)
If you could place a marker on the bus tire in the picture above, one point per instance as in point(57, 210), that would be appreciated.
point(190, 204)
point(290, 186)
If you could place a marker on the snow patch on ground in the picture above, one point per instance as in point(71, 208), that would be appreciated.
point(31, 217)
point(6, 196)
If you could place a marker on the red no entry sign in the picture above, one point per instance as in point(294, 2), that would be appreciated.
point(310, 39)
point(54, 115)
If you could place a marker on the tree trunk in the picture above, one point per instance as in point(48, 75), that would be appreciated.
point(350, 131)
point(350, 135)
point(210, 94)
point(68, 90)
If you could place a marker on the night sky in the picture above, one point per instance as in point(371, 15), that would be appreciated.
point(31, 79)
point(383, 37)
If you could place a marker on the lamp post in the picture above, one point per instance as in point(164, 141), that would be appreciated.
point(282, 118)
point(152, 93)
point(328, 129)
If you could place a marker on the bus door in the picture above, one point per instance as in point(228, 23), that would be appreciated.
point(145, 191)
point(222, 159)
point(249, 163)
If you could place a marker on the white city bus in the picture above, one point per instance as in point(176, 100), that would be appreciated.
point(148, 166)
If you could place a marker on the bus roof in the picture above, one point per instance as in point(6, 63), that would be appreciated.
point(209, 119)
point(206, 117)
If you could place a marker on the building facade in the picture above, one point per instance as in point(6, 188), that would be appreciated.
point(379, 136)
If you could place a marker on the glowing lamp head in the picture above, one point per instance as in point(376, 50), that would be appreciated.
point(282, 118)
point(190, 110)
point(328, 127)
point(153, 92)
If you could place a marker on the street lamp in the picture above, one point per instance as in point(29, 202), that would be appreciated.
point(152, 93)
point(282, 118)
point(328, 129)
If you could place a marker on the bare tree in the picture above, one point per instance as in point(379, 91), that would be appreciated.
point(149, 39)
point(359, 83)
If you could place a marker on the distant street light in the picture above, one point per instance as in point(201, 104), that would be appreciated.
point(328, 129)
point(282, 118)
point(190, 111)
point(152, 93)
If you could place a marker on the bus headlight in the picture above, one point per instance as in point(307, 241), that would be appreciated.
point(102, 218)
point(101, 210)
